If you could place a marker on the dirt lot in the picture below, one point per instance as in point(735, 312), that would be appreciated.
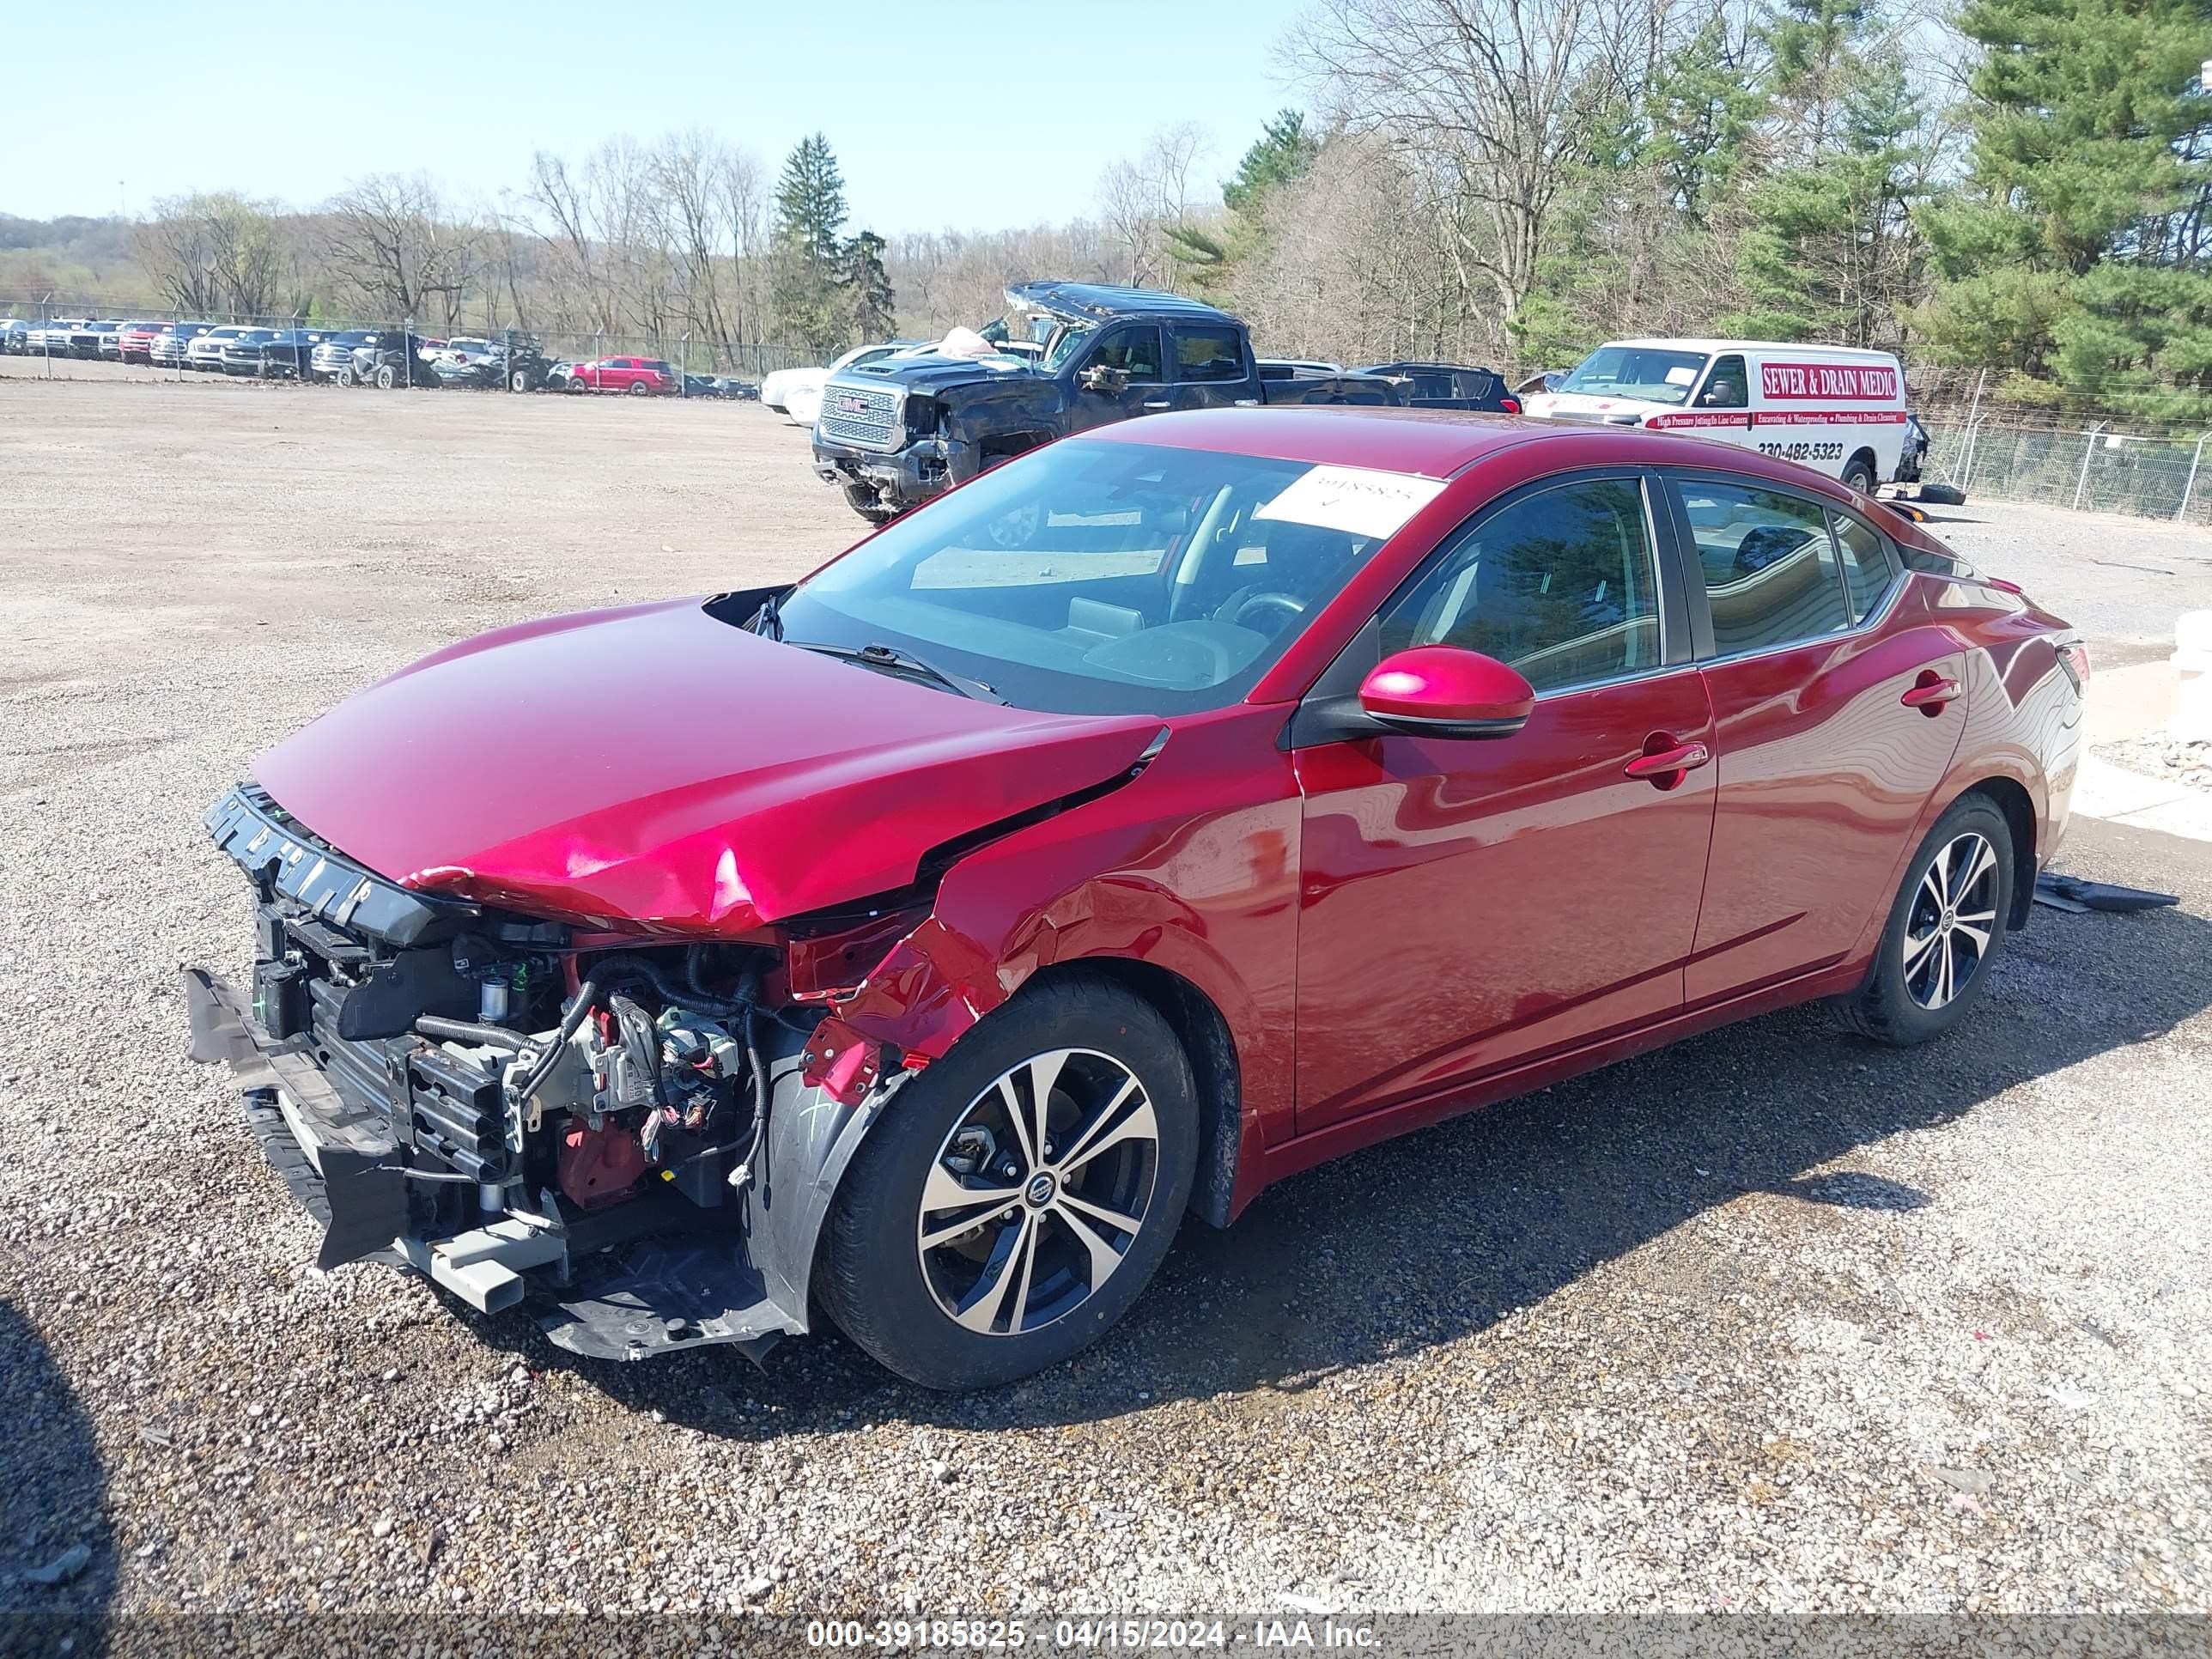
point(1771, 1321)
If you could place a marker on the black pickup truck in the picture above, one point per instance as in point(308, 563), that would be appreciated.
point(897, 430)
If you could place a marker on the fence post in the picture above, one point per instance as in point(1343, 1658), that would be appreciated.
point(1973, 446)
point(2188, 487)
point(46, 339)
point(2087, 451)
point(407, 352)
point(683, 368)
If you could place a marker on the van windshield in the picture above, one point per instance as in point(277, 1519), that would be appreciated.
point(1650, 374)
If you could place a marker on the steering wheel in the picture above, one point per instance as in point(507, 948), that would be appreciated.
point(1235, 611)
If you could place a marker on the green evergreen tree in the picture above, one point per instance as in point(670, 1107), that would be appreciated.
point(2080, 247)
point(1700, 113)
point(1207, 257)
point(1284, 151)
point(872, 308)
point(810, 201)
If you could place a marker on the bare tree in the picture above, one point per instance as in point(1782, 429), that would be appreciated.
point(217, 254)
point(1496, 96)
point(394, 243)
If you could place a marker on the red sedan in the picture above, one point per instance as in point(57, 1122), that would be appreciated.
point(1161, 813)
point(640, 377)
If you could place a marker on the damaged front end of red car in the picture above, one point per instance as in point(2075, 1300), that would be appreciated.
point(613, 1065)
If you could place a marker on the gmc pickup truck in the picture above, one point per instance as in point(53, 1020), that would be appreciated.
point(896, 431)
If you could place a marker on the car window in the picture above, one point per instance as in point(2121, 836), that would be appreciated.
point(1652, 373)
point(1729, 387)
point(1096, 578)
point(1558, 584)
point(1209, 353)
point(1135, 351)
point(1868, 569)
point(1771, 574)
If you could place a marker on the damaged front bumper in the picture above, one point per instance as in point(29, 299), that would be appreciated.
point(651, 1276)
point(900, 478)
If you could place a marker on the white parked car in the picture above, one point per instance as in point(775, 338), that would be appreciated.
point(1836, 408)
point(206, 351)
point(796, 394)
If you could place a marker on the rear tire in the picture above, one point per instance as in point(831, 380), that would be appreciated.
point(386, 378)
point(1858, 473)
point(518, 382)
point(638, 389)
point(1043, 1264)
point(1930, 965)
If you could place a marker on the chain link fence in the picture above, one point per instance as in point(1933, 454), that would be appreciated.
point(2095, 468)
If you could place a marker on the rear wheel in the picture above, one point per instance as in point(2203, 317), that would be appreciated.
point(1946, 926)
point(1858, 473)
point(518, 382)
point(638, 388)
point(386, 378)
point(1021, 1192)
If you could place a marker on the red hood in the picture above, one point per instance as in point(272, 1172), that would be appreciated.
point(656, 765)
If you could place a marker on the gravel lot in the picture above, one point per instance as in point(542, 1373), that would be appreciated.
point(1771, 1321)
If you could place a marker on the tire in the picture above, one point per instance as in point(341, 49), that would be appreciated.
point(386, 377)
point(865, 503)
point(638, 389)
point(1942, 495)
point(347, 377)
point(1899, 1003)
point(900, 1299)
point(1858, 473)
point(577, 385)
point(518, 381)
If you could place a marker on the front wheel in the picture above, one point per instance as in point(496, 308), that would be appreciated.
point(1019, 1193)
point(1946, 928)
point(518, 382)
point(386, 378)
point(1858, 474)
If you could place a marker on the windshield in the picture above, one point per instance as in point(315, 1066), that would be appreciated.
point(1651, 374)
point(1110, 578)
point(1065, 341)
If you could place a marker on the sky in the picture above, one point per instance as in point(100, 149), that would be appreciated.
point(970, 115)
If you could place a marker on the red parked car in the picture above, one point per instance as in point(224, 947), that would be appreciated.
point(1159, 814)
point(134, 341)
point(640, 377)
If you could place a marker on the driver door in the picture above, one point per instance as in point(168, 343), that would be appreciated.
point(1468, 906)
point(1133, 350)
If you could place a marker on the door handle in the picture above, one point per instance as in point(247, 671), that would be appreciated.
point(1156, 403)
point(1683, 758)
point(1931, 691)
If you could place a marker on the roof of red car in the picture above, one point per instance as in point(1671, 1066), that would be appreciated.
point(1433, 443)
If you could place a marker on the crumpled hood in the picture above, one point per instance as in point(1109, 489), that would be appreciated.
point(932, 373)
point(658, 766)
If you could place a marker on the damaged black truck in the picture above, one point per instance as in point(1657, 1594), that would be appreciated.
point(897, 431)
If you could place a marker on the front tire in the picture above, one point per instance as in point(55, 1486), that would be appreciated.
point(1019, 1193)
point(386, 378)
point(1946, 926)
point(1858, 473)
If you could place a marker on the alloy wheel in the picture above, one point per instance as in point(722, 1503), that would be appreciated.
point(1038, 1192)
point(1952, 920)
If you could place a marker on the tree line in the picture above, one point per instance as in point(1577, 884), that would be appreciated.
point(2018, 185)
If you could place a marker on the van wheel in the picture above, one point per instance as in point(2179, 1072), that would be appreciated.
point(1858, 473)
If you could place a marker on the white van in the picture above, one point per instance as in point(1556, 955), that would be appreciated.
point(1837, 410)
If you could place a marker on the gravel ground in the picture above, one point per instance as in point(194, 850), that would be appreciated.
point(1770, 1320)
point(2157, 755)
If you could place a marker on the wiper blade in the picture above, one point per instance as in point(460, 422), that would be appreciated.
point(768, 621)
point(903, 662)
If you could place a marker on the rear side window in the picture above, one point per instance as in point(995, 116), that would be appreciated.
point(1867, 570)
point(1560, 584)
point(1209, 353)
point(1771, 573)
point(1134, 351)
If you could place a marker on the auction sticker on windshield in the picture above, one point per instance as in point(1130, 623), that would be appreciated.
point(1353, 499)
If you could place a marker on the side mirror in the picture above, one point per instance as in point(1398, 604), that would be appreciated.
point(1442, 691)
point(1099, 377)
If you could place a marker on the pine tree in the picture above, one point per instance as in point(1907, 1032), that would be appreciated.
point(1283, 152)
point(2080, 247)
point(810, 201)
point(1208, 257)
point(871, 305)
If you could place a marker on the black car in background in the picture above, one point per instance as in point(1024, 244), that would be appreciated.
point(1449, 385)
point(241, 354)
point(291, 355)
point(392, 358)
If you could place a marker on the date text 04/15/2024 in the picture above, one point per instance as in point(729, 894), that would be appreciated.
point(1078, 1635)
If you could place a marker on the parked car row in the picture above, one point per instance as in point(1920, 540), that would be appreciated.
point(386, 358)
